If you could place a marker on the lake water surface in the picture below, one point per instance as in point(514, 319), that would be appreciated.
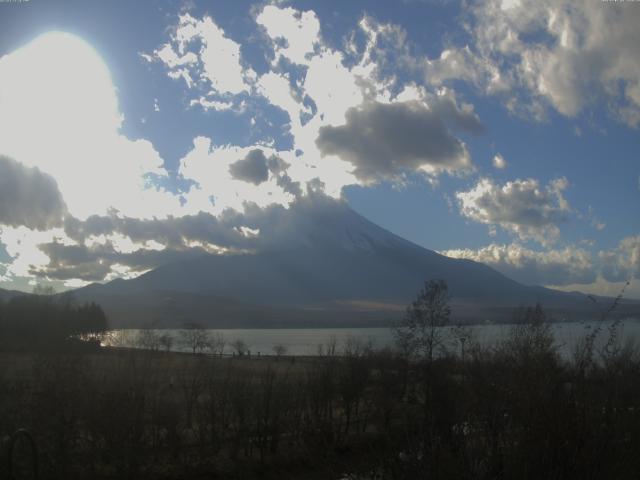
point(307, 341)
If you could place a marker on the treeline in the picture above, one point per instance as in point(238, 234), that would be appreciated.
point(46, 321)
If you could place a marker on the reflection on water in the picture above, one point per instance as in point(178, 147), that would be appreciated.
point(308, 341)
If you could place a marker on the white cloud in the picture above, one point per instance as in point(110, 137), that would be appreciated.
point(299, 30)
point(521, 207)
point(562, 53)
point(220, 57)
point(202, 55)
point(332, 86)
point(23, 246)
point(499, 162)
point(567, 266)
point(463, 64)
point(569, 269)
point(216, 187)
point(211, 104)
point(172, 60)
point(623, 262)
point(276, 88)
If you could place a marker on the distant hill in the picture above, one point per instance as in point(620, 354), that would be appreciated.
point(326, 265)
point(6, 295)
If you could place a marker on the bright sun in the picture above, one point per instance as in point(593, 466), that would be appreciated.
point(59, 112)
point(55, 85)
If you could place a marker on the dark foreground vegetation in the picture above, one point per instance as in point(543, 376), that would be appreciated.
point(513, 412)
point(47, 322)
point(435, 408)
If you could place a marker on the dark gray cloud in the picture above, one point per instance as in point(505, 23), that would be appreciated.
point(277, 165)
point(172, 232)
point(383, 141)
point(285, 182)
point(73, 262)
point(253, 168)
point(93, 264)
point(28, 197)
point(180, 238)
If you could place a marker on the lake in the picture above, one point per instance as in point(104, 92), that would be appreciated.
point(306, 341)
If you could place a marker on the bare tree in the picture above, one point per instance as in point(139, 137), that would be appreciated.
point(166, 341)
point(357, 347)
point(530, 336)
point(279, 349)
point(148, 339)
point(217, 344)
point(419, 333)
point(194, 337)
point(240, 346)
point(330, 349)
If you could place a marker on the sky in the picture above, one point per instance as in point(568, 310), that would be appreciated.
point(133, 134)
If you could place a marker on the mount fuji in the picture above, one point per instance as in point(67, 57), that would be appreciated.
point(319, 264)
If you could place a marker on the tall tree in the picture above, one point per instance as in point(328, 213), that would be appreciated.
point(419, 333)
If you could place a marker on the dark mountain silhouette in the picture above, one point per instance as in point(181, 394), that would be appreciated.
point(324, 264)
point(6, 295)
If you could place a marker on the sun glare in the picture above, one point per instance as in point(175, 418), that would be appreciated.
point(55, 85)
point(59, 112)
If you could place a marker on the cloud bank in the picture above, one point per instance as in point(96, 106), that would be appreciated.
point(566, 266)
